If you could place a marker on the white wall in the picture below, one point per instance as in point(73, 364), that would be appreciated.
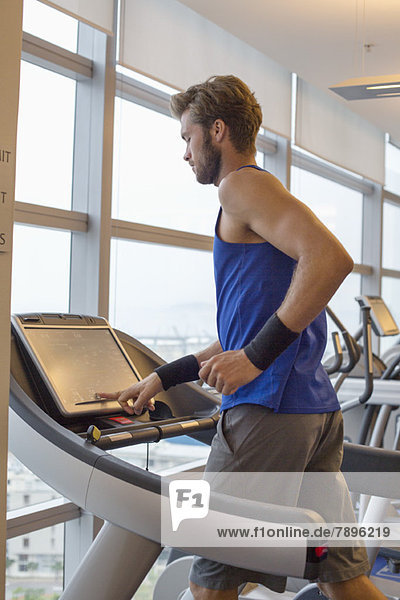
point(10, 54)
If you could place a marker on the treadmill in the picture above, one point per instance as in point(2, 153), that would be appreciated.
point(62, 431)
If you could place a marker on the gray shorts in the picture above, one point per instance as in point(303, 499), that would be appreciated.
point(253, 438)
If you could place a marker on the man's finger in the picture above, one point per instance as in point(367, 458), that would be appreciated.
point(125, 406)
point(139, 404)
point(123, 401)
point(150, 404)
point(107, 395)
point(205, 371)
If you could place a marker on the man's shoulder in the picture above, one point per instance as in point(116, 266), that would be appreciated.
point(240, 188)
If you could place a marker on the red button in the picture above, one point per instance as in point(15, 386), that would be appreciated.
point(121, 420)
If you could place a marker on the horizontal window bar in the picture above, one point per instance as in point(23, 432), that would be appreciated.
point(140, 93)
point(135, 91)
point(390, 273)
point(390, 197)
point(52, 57)
point(171, 237)
point(363, 269)
point(46, 216)
point(46, 514)
point(160, 235)
point(313, 165)
point(266, 144)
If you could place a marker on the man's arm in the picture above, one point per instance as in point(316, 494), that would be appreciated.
point(142, 393)
point(259, 203)
point(212, 350)
point(270, 211)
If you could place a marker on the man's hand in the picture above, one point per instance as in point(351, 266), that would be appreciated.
point(227, 371)
point(141, 393)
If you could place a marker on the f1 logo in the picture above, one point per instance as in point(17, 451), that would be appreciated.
point(189, 499)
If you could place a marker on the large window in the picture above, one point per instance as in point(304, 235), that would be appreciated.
point(337, 206)
point(45, 137)
point(50, 25)
point(41, 263)
point(151, 182)
point(163, 295)
point(34, 565)
point(392, 179)
point(391, 236)
point(340, 208)
point(391, 263)
point(391, 295)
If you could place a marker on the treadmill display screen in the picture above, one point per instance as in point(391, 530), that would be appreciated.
point(78, 363)
point(382, 320)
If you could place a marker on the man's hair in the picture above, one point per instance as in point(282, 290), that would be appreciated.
point(223, 97)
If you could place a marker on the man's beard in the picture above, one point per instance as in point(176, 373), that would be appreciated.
point(208, 170)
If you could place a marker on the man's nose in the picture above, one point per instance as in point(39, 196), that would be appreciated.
point(187, 155)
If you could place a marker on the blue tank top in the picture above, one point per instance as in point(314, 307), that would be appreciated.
point(251, 283)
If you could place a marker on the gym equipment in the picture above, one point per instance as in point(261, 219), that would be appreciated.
point(386, 398)
point(61, 430)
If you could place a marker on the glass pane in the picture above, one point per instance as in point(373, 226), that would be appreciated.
point(25, 488)
point(338, 207)
point(391, 237)
point(50, 24)
point(41, 268)
point(45, 138)
point(151, 182)
point(145, 591)
point(164, 296)
point(391, 295)
point(164, 455)
point(34, 565)
point(392, 160)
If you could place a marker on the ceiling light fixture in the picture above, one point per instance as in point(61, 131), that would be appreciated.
point(363, 88)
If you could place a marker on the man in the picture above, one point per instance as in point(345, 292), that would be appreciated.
point(276, 267)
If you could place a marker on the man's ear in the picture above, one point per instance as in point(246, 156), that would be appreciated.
point(219, 130)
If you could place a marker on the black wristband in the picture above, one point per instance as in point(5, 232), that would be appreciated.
point(179, 371)
point(269, 343)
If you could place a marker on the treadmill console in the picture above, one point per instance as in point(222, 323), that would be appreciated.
point(383, 322)
point(73, 357)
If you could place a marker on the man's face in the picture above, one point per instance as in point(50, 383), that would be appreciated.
point(201, 154)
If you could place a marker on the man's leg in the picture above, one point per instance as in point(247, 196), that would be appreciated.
point(201, 593)
point(359, 588)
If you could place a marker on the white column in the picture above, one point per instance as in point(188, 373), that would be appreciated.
point(10, 55)
point(90, 252)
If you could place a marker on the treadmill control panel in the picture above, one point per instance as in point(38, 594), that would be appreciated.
point(76, 357)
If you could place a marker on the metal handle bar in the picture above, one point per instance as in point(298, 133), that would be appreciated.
point(353, 349)
point(338, 354)
point(368, 363)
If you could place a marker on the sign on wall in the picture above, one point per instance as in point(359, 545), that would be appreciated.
point(7, 171)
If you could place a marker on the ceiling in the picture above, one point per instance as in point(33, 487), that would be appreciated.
point(322, 41)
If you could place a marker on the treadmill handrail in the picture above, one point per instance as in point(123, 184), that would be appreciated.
point(154, 432)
